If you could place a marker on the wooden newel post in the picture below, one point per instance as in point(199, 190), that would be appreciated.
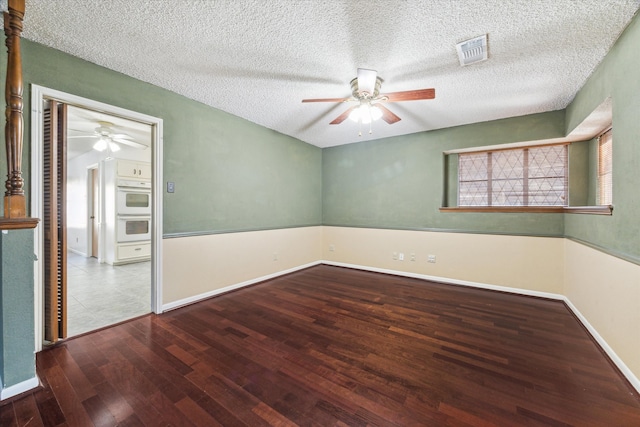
point(14, 200)
point(15, 206)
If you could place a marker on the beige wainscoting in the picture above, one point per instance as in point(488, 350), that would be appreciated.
point(196, 267)
point(533, 264)
point(606, 291)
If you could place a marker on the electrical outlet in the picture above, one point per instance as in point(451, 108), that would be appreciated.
point(275, 256)
point(395, 256)
point(431, 259)
point(332, 248)
point(401, 256)
point(171, 187)
point(413, 257)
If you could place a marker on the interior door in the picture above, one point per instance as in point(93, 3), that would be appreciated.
point(54, 222)
point(95, 200)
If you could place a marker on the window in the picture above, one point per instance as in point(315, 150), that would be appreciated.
point(605, 163)
point(530, 176)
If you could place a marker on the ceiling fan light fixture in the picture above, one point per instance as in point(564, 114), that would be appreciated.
point(365, 113)
point(356, 114)
point(101, 145)
point(113, 147)
point(375, 112)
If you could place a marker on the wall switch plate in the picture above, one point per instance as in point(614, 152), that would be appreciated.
point(401, 256)
point(171, 187)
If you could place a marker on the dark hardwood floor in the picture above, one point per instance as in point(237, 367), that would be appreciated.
point(331, 346)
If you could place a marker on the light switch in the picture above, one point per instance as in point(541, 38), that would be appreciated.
point(171, 187)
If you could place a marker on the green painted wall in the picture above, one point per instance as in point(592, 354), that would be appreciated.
point(398, 182)
point(230, 174)
point(580, 179)
point(17, 329)
point(251, 178)
point(616, 76)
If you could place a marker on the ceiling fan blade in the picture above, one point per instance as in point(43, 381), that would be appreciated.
point(367, 80)
point(81, 136)
point(129, 142)
point(387, 115)
point(327, 100)
point(410, 95)
point(120, 135)
point(342, 117)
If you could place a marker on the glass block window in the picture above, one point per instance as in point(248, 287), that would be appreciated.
point(531, 176)
point(605, 166)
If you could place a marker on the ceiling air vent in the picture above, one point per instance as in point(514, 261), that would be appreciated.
point(472, 50)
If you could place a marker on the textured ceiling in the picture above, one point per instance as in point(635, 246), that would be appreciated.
point(258, 59)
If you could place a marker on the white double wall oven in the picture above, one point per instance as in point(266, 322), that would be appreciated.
point(128, 205)
point(133, 210)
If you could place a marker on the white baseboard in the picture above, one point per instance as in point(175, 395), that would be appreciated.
point(596, 336)
point(451, 281)
point(635, 382)
point(19, 388)
point(75, 251)
point(186, 301)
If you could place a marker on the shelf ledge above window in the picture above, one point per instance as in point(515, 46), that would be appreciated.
point(593, 210)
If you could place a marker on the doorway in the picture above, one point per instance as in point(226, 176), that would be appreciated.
point(94, 197)
point(89, 243)
point(103, 286)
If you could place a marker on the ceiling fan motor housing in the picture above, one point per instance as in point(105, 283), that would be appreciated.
point(105, 128)
point(355, 90)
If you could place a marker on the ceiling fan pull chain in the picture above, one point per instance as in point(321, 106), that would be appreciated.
point(360, 124)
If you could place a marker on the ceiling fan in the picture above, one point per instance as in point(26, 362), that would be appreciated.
point(107, 138)
point(365, 93)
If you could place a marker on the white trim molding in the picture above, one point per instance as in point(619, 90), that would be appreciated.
point(19, 388)
point(449, 281)
point(624, 369)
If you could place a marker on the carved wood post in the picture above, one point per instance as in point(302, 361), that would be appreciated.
point(14, 200)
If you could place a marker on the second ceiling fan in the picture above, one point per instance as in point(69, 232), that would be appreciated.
point(367, 99)
point(106, 137)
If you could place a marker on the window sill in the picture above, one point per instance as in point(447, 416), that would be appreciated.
point(593, 210)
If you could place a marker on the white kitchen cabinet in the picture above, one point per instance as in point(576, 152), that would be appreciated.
point(136, 251)
point(133, 169)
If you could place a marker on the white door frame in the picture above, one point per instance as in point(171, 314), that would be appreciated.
point(38, 96)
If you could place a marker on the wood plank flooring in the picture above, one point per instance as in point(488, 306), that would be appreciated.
point(329, 346)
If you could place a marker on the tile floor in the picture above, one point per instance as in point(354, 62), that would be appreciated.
point(101, 294)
